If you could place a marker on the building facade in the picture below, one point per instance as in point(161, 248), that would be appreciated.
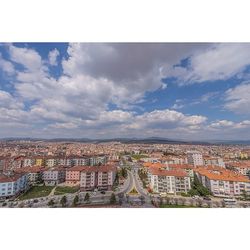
point(222, 182)
point(12, 184)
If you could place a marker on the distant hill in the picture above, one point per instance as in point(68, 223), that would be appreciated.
point(150, 140)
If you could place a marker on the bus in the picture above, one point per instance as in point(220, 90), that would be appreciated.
point(230, 201)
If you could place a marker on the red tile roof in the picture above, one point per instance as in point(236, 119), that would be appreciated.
point(163, 172)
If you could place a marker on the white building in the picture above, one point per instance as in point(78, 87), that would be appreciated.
point(12, 184)
point(222, 182)
point(195, 158)
point(215, 161)
point(168, 181)
point(54, 176)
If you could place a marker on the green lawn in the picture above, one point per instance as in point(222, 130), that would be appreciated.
point(36, 192)
point(138, 157)
point(176, 206)
point(65, 190)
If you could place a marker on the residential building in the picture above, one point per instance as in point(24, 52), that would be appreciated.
point(223, 182)
point(51, 161)
point(28, 162)
point(101, 177)
point(214, 161)
point(35, 174)
point(11, 184)
point(73, 175)
point(188, 168)
point(168, 181)
point(54, 176)
point(195, 158)
point(242, 167)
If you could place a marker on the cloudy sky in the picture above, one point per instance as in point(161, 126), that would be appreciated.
point(178, 91)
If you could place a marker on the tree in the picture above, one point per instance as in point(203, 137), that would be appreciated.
point(86, 198)
point(63, 201)
point(198, 188)
point(124, 172)
point(76, 200)
point(51, 203)
point(142, 199)
point(112, 199)
point(121, 198)
point(182, 202)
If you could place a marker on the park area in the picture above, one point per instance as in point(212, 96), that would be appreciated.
point(36, 192)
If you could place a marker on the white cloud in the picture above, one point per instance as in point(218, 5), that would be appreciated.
point(218, 62)
point(53, 54)
point(99, 75)
point(238, 99)
point(8, 101)
point(222, 124)
point(29, 58)
point(6, 66)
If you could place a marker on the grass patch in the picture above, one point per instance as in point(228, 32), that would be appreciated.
point(138, 157)
point(133, 192)
point(65, 190)
point(36, 192)
point(176, 206)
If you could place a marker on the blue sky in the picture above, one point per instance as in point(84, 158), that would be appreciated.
point(173, 90)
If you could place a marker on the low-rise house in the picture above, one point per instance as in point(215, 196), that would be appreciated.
point(223, 182)
point(12, 184)
point(54, 176)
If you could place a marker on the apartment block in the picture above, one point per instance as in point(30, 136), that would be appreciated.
point(168, 181)
point(35, 174)
point(54, 176)
point(242, 167)
point(195, 158)
point(223, 182)
point(101, 177)
point(11, 184)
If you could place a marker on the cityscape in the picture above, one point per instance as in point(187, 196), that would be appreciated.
point(124, 125)
point(123, 175)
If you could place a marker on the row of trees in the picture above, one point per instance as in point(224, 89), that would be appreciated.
point(75, 202)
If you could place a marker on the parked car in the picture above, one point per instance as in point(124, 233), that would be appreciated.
point(195, 197)
point(207, 198)
point(103, 192)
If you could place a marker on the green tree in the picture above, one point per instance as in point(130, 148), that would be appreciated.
point(124, 172)
point(63, 201)
point(76, 200)
point(142, 199)
point(51, 203)
point(112, 199)
point(198, 188)
point(86, 198)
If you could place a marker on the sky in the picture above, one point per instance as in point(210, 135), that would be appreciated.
point(189, 91)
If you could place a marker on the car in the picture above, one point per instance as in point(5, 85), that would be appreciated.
point(195, 197)
point(103, 192)
point(207, 198)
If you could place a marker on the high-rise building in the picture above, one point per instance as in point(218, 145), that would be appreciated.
point(195, 158)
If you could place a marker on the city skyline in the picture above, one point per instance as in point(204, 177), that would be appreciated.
point(190, 91)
